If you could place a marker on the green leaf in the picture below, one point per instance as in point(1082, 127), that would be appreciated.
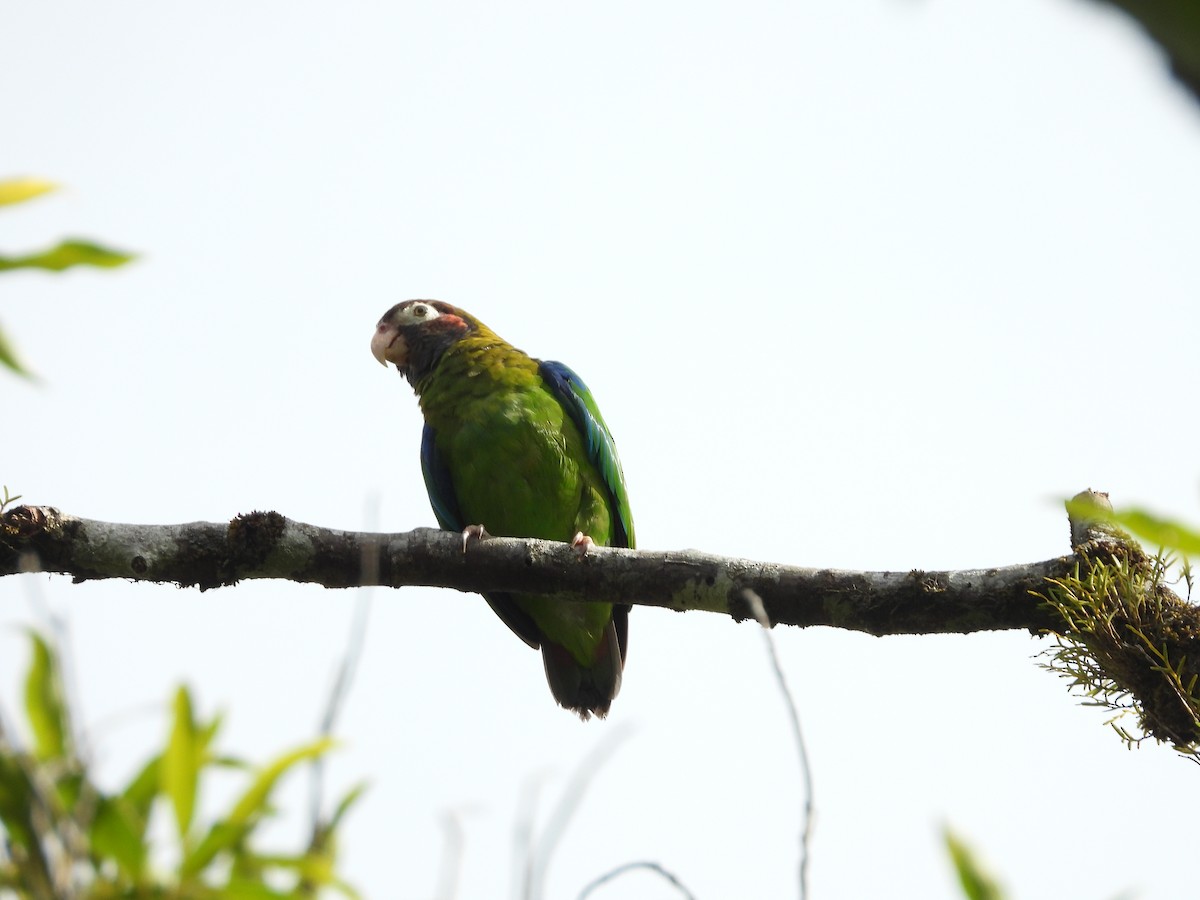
point(313, 867)
point(16, 799)
point(253, 805)
point(23, 816)
point(1160, 532)
point(18, 190)
point(180, 770)
point(254, 801)
point(69, 784)
point(132, 806)
point(1149, 527)
point(221, 836)
point(315, 870)
point(44, 704)
point(142, 790)
point(242, 889)
point(976, 884)
point(206, 733)
point(9, 358)
point(66, 254)
point(347, 801)
point(118, 833)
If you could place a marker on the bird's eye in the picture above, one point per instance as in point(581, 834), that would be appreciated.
point(414, 312)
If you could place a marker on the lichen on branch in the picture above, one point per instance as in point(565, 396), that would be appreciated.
point(268, 545)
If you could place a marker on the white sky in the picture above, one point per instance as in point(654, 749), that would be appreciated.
point(856, 285)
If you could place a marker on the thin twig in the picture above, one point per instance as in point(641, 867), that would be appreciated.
point(629, 867)
point(760, 613)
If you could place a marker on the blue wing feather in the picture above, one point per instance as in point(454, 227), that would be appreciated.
point(439, 484)
point(577, 400)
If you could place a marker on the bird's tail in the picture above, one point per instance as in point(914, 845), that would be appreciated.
point(589, 689)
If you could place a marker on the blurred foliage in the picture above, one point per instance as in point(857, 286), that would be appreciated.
point(1175, 26)
point(9, 358)
point(1152, 529)
point(1158, 531)
point(62, 836)
point(976, 883)
point(18, 190)
point(66, 254)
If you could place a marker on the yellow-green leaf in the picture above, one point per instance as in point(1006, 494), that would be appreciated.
point(181, 764)
point(347, 801)
point(1160, 532)
point(244, 889)
point(221, 836)
point(254, 802)
point(976, 883)
point(44, 704)
point(67, 254)
point(9, 358)
point(228, 832)
point(18, 190)
point(315, 868)
point(1147, 526)
point(206, 733)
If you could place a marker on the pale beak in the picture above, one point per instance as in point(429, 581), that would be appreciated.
point(387, 345)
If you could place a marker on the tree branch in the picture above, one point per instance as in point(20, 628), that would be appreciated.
point(268, 545)
point(1123, 637)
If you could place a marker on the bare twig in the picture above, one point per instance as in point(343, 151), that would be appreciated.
point(760, 613)
point(630, 867)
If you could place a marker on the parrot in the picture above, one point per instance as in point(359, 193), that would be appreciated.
point(517, 446)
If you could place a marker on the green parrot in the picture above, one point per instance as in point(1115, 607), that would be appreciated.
point(518, 446)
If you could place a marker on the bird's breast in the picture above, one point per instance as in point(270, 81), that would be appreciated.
point(512, 466)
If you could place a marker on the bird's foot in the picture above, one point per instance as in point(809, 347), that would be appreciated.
point(473, 533)
point(581, 544)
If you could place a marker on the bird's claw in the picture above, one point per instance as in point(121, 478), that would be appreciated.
point(473, 533)
point(581, 544)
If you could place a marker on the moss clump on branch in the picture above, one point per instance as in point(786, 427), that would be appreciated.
point(1129, 643)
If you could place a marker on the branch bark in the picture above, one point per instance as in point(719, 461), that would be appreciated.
point(268, 545)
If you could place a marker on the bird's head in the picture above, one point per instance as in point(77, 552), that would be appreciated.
point(414, 334)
